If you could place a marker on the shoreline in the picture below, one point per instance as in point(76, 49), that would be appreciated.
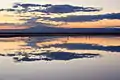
point(19, 34)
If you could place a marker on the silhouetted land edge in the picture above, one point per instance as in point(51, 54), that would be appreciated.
point(11, 34)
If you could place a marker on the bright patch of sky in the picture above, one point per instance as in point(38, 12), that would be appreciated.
point(107, 5)
point(7, 3)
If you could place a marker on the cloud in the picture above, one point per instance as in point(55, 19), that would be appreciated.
point(69, 9)
point(25, 5)
point(49, 8)
point(83, 18)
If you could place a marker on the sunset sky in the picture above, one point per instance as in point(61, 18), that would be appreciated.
point(108, 16)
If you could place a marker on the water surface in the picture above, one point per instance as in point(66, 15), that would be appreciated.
point(60, 58)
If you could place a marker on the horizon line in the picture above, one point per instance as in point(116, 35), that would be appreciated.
point(19, 34)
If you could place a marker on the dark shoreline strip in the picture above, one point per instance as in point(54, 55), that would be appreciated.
point(55, 34)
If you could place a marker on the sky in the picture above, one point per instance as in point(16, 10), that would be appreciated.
point(109, 5)
point(80, 19)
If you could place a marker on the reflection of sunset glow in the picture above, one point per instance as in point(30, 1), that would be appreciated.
point(96, 40)
point(17, 44)
point(51, 42)
point(87, 40)
point(12, 44)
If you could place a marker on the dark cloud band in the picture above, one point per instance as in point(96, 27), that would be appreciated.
point(49, 8)
point(83, 18)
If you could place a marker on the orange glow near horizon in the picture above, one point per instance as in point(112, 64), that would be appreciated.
point(11, 21)
point(95, 24)
point(11, 27)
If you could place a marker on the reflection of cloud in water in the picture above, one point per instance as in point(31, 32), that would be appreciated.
point(53, 56)
point(58, 48)
point(103, 43)
point(37, 44)
point(74, 46)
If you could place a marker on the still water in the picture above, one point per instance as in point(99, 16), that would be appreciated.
point(60, 58)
